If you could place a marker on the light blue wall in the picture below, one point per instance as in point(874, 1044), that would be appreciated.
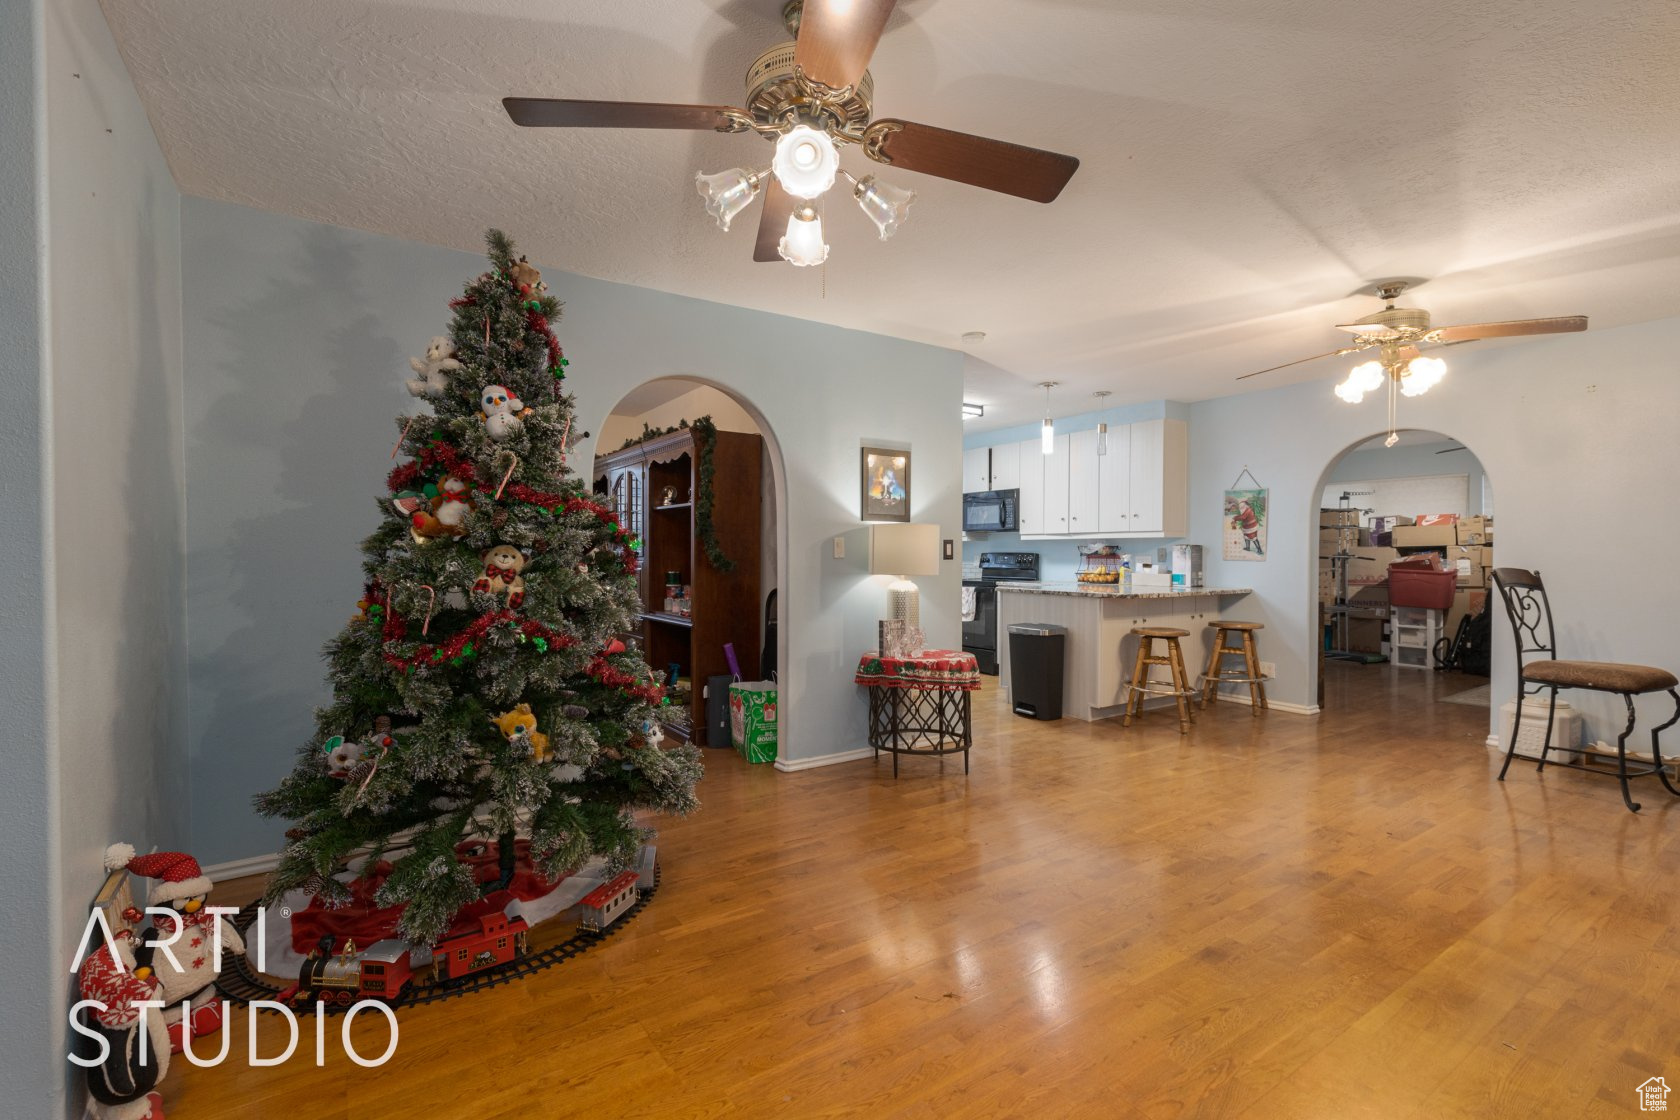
point(1414, 460)
point(1577, 428)
point(32, 1077)
point(93, 700)
point(297, 344)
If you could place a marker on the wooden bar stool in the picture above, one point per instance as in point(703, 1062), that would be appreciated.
point(1248, 674)
point(1173, 659)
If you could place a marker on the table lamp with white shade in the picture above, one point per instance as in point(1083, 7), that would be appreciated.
point(903, 551)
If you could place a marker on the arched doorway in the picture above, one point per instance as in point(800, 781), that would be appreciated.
point(696, 472)
point(1425, 497)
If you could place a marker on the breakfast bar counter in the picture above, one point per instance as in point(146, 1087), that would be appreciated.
point(1099, 619)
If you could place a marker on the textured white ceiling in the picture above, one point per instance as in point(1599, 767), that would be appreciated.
point(1247, 165)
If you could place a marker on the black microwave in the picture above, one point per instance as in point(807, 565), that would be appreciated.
point(990, 511)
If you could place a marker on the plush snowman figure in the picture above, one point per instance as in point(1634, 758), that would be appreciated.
point(501, 410)
point(190, 978)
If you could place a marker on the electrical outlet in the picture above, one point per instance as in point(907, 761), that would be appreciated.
point(1268, 669)
point(839, 548)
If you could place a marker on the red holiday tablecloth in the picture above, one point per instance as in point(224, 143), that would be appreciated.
point(934, 670)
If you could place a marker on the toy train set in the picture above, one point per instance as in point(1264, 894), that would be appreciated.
point(486, 937)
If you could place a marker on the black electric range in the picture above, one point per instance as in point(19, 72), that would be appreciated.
point(980, 636)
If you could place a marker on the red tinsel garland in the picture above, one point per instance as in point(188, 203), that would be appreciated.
point(599, 667)
point(537, 322)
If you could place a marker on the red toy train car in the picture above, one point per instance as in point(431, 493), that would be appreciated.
point(483, 936)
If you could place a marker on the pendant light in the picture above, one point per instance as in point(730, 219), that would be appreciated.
point(1049, 431)
point(1102, 425)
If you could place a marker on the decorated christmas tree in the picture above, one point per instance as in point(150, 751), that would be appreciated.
point(481, 692)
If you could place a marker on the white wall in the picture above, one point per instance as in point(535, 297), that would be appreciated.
point(1413, 460)
point(1576, 434)
point(702, 400)
point(95, 647)
point(297, 339)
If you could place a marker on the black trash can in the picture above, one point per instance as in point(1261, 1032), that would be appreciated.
point(1036, 654)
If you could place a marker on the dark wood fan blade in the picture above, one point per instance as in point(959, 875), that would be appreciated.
point(836, 38)
point(553, 112)
point(1298, 361)
point(1510, 328)
point(995, 165)
point(772, 224)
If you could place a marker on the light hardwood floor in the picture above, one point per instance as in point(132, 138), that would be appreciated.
point(1276, 917)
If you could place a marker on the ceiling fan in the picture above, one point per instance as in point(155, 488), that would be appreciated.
point(1398, 334)
point(810, 97)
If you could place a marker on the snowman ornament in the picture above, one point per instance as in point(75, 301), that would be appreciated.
point(501, 411)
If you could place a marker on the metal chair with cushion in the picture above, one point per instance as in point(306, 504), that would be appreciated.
point(1530, 613)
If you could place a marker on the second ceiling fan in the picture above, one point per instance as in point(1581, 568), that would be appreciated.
point(811, 97)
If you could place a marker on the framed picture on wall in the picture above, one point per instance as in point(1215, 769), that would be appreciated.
point(1246, 518)
point(886, 484)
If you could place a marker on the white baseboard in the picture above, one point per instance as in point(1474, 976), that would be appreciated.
point(1493, 743)
point(1271, 705)
point(239, 868)
point(788, 765)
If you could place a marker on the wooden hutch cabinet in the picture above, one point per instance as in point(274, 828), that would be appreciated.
point(652, 487)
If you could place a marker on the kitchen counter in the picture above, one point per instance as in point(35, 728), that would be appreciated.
point(1116, 591)
point(1099, 618)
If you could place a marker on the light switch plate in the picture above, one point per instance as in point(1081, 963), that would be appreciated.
point(839, 548)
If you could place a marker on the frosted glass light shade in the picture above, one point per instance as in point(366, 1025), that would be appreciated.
point(726, 193)
point(886, 205)
point(904, 550)
point(1422, 374)
point(1366, 377)
point(806, 161)
point(803, 245)
point(1047, 437)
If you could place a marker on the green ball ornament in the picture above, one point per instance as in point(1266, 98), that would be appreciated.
point(541, 644)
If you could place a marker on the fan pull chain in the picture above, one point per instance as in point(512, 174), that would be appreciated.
point(1393, 398)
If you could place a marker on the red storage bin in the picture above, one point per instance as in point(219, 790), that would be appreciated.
point(1418, 583)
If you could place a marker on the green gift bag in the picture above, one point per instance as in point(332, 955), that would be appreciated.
point(752, 719)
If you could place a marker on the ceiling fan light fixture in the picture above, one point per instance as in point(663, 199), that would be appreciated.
point(806, 161)
point(728, 192)
point(884, 204)
point(803, 246)
point(1422, 374)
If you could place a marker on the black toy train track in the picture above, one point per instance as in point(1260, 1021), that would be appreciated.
point(241, 983)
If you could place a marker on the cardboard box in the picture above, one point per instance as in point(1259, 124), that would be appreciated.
point(1365, 635)
point(1385, 523)
point(1466, 601)
point(1471, 564)
point(1370, 565)
point(1425, 536)
point(1372, 600)
point(1326, 584)
point(1187, 565)
point(1329, 518)
point(1437, 519)
point(1329, 540)
point(1475, 530)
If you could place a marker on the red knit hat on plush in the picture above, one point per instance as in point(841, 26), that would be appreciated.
point(178, 875)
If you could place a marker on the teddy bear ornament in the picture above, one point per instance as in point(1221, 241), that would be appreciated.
point(429, 379)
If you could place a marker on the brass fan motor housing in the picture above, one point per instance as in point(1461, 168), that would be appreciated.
point(775, 89)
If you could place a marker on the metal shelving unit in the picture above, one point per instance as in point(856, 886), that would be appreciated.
point(1341, 611)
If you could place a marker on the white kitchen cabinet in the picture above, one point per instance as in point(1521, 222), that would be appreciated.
point(1160, 482)
point(1030, 511)
point(1083, 482)
point(977, 469)
point(1141, 486)
point(1006, 467)
point(1056, 486)
point(1114, 481)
